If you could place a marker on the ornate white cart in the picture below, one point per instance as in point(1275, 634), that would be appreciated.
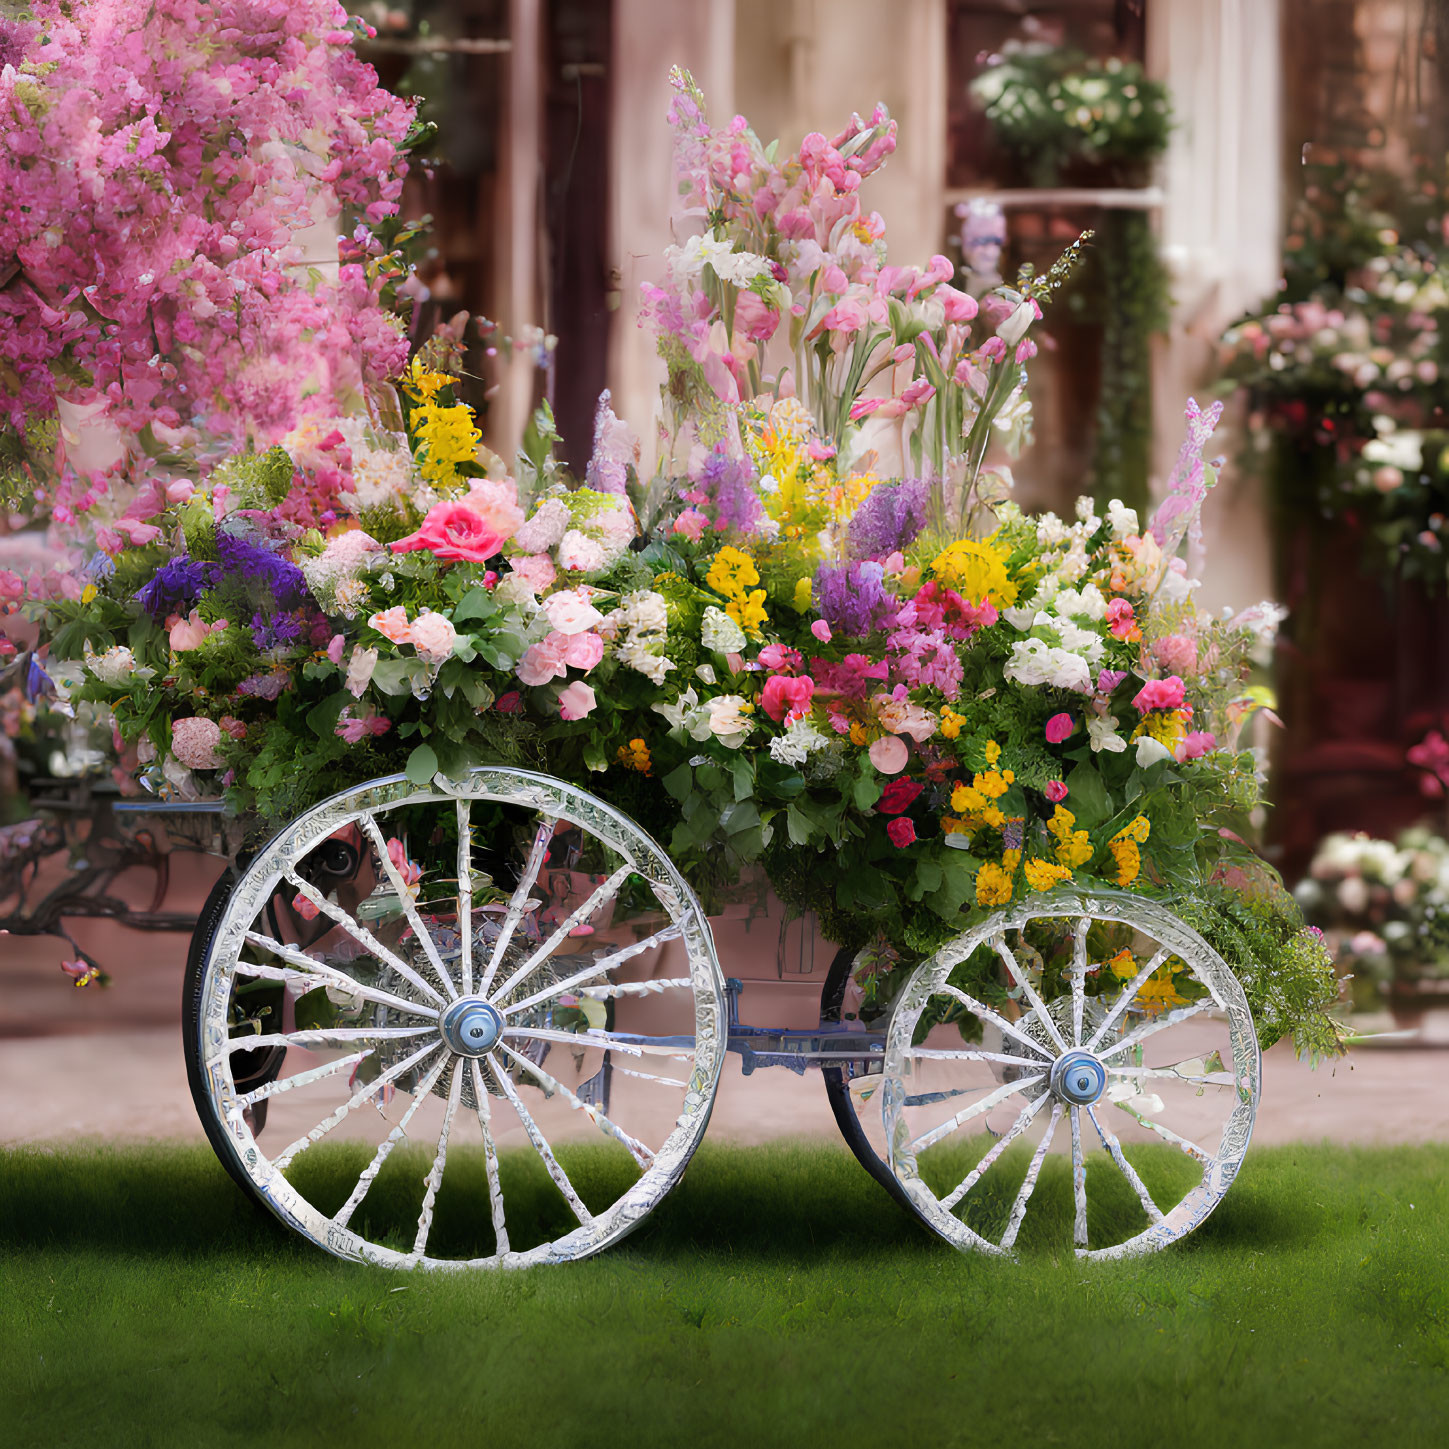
point(551, 973)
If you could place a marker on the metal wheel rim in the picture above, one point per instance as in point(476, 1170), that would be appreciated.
point(1225, 993)
point(552, 799)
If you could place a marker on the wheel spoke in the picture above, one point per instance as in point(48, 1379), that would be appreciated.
point(334, 1036)
point(305, 967)
point(1010, 1089)
point(357, 1099)
point(490, 1157)
point(637, 988)
point(1177, 1074)
point(540, 1145)
point(952, 1054)
point(524, 889)
point(1161, 1023)
point(997, 1020)
point(605, 892)
point(344, 1214)
point(302, 1079)
point(362, 935)
point(603, 1040)
point(409, 906)
point(1167, 1134)
point(1013, 969)
point(1114, 1147)
point(1079, 1182)
point(465, 892)
point(640, 1153)
point(1028, 1114)
point(440, 1158)
point(1127, 996)
point(1028, 1186)
point(600, 967)
point(682, 1082)
point(1079, 978)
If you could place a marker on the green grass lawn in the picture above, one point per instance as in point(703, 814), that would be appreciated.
point(778, 1297)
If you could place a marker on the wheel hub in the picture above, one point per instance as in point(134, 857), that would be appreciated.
point(471, 1026)
point(1078, 1078)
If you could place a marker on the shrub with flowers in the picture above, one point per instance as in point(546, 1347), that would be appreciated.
point(1352, 372)
point(790, 649)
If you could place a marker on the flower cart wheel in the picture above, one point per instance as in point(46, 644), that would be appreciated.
point(415, 980)
point(1107, 1034)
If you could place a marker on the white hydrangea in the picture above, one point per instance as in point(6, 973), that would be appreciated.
point(1086, 642)
point(721, 634)
point(580, 554)
point(801, 740)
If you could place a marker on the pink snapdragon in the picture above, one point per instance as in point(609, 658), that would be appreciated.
point(1195, 745)
point(787, 697)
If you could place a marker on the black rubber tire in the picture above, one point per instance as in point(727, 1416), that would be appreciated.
point(837, 1087)
point(196, 958)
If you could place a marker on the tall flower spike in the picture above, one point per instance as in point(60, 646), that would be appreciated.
point(1180, 513)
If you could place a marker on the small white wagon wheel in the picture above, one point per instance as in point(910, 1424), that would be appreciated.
point(1108, 1035)
point(549, 976)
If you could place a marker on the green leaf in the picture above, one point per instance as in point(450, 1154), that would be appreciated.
point(422, 765)
point(315, 1011)
point(475, 604)
point(1087, 797)
point(322, 718)
point(678, 782)
point(798, 826)
point(867, 789)
point(744, 772)
point(595, 757)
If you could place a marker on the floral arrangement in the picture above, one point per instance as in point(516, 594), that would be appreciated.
point(818, 633)
point(1384, 902)
point(1352, 371)
point(1055, 106)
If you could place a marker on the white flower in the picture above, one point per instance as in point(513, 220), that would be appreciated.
point(433, 636)
point(706, 673)
point(721, 634)
point(801, 740)
point(1036, 662)
point(545, 528)
point(1102, 734)
point(1014, 328)
point(113, 667)
point(1150, 751)
point(1087, 515)
point(1086, 602)
point(677, 713)
point(725, 717)
point(1050, 531)
point(635, 652)
point(580, 554)
point(1122, 519)
point(515, 591)
point(570, 612)
point(1086, 642)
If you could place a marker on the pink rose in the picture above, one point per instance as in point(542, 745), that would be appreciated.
point(580, 651)
point(508, 703)
point(535, 569)
point(496, 503)
point(1055, 791)
point(543, 661)
point(785, 694)
point(1160, 694)
point(576, 700)
point(433, 636)
point(902, 831)
point(1059, 727)
point(570, 612)
point(392, 624)
point(755, 320)
point(456, 533)
point(1176, 652)
point(691, 524)
point(889, 755)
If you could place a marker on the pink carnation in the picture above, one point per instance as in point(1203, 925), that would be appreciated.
point(1177, 652)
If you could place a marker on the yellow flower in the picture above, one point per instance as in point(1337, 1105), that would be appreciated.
point(803, 594)
point(1074, 847)
point(994, 784)
point(1138, 830)
point(951, 826)
point(964, 798)
point(1159, 992)
point(993, 752)
point(446, 437)
point(422, 382)
point(88, 593)
point(1042, 875)
point(1128, 860)
point(1123, 965)
point(993, 885)
point(976, 569)
point(749, 613)
point(1010, 859)
point(732, 573)
point(1167, 726)
point(951, 723)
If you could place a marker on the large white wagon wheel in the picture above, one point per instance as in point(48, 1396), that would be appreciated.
point(551, 974)
point(1112, 1036)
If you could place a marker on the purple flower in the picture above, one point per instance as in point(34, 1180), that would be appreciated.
point(263, 686)
point(728, 485)
point(257, 565)
point(854, 600)
point(927, 660)
point(1109, 679)
point(272, 631)
point(890, 518)
point(175, 588)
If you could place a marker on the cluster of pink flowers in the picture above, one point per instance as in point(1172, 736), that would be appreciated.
point(160, 163)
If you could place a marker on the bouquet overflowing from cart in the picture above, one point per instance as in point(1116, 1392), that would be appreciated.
point(542, 795)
